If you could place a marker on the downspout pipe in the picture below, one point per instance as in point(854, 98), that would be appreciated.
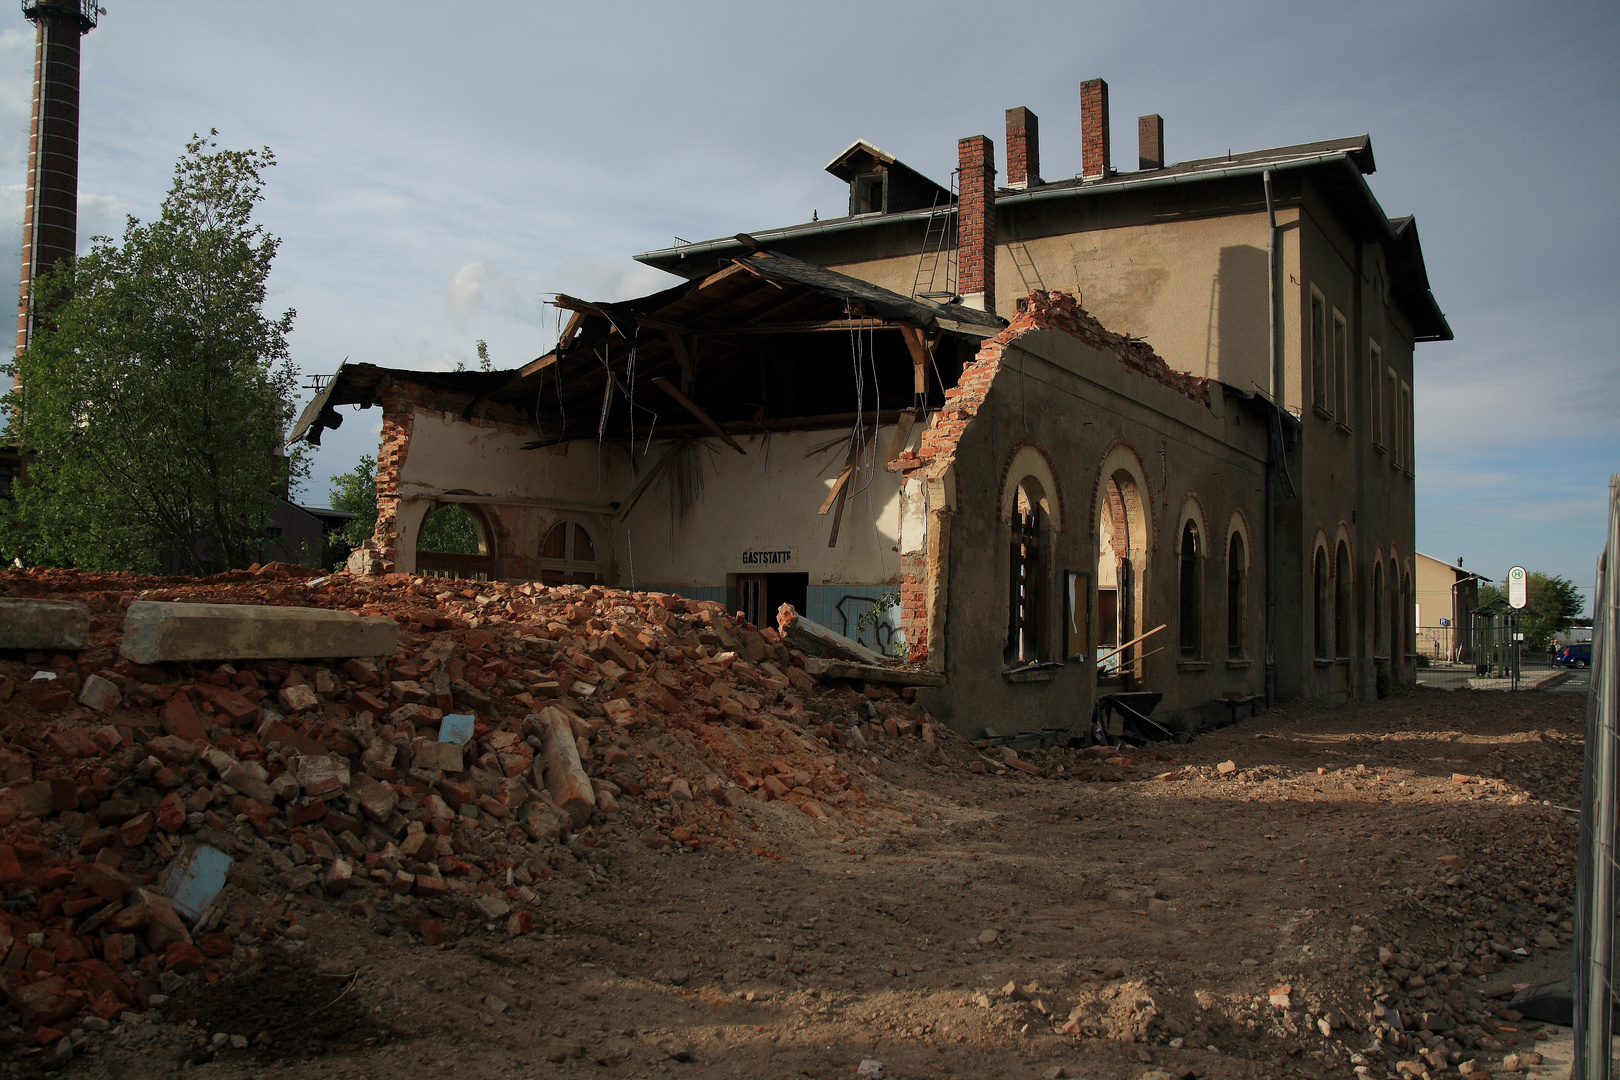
point(1273, 442)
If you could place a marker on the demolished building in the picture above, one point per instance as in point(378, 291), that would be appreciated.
point(912, 404)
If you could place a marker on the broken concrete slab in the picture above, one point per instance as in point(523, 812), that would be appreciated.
point(44, 624)
point(158, 631)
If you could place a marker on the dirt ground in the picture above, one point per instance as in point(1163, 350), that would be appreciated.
point(1336, 902)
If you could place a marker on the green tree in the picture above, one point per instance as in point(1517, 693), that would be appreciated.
point(356, 493)
point(155, 392)
point(1555, 601)
point(1551, 604)
point(449, 528)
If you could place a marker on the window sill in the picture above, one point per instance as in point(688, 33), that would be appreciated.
point(1238, 665)
point(1345, 660)
point(1031, 674)
point(1379, 448)
point(1324, 661)
point(1344, 429)
point(1192, 665)
point(1322, 412)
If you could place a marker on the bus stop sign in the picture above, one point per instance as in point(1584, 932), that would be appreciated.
point(1515, 585)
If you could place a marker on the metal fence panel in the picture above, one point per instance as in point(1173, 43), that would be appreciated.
point(1592, 965)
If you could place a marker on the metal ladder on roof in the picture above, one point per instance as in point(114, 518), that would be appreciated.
point(938, 258)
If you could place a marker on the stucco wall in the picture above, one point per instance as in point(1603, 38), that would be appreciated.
point(767, 502)
point(764, 502)
point(1076, 405)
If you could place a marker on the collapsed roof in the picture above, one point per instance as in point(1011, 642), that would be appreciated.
point(764, 343)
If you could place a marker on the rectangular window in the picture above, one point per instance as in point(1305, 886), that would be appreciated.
point(1341, 369)
point(1392, 386)
point(1409, 446)
point(1375, 408)
point(1320, 395)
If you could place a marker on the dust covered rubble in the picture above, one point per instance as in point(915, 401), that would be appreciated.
point(599, 718)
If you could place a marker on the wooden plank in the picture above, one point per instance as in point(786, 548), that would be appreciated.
point(918, 347)
point(902, 434)
point(692, 407)
point(899, 676)
point(838, 517)
point(537, 365)
point(1140, 637)
point(843, 479)
point(721, 275)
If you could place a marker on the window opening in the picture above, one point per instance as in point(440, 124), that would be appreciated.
point(1341, 369)
point(1392, 383)
point(1343, 628)
point(453, 542)
point(1380, 644)
point(568, 556)
point(1408, 444)
point(1375, 365)
point(1321, 621)
point(1191, 601)
point(1320, 394)
point(1236, 600)
point(1024, 614)
point(1120, 564)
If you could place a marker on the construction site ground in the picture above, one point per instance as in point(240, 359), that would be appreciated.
point(782, 876)
point(1159, 910)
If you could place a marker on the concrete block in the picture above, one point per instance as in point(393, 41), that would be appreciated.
point(44, 624)
point(155, 632)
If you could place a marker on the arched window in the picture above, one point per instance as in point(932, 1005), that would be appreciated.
point(568, 556)
point(1026, 592)
point(1343, 605)
point(1380, 627)
point(1122, 531)
point(453, 542)
point(1237, 601)
point(1321, 628)
point(1192, 601)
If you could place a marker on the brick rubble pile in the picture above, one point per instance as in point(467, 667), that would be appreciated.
point(601, 717)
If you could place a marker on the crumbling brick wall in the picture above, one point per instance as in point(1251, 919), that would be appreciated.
point(401, 400)
point(1041, 310)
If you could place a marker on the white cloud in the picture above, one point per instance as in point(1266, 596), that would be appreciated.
point(479, 288)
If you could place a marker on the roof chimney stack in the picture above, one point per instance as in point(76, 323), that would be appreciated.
point(1023, 149)
point(1096, 157)
point(1150, 141)
point(976, 223)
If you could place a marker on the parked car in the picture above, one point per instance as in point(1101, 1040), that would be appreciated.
point(1578, 655)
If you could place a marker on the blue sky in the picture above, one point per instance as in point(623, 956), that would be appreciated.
point(442, 167)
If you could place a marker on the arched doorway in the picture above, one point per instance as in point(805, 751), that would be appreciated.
point(1122, 534)
point(568, 556)
point(454, 541)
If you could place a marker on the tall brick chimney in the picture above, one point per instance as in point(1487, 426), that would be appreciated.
point(51, 212)
point(1150, 142)
point(1023, 148)
point(1096, 157)
point(976, 223)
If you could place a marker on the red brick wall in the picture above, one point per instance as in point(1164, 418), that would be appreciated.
point(1096, 156)
point(1023, 147)
point(976, 219)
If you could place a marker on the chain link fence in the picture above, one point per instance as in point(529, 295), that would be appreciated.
point(1592, 966)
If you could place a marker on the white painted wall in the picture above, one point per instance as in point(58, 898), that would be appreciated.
point(767, 502)
point(763, 502)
